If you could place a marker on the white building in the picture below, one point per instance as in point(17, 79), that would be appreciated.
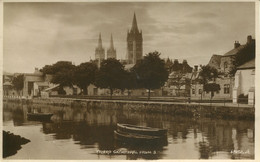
point(245, 82)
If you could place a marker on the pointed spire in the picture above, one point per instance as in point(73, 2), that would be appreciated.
point(99, 41)
point(134, 24)
point(111, 42)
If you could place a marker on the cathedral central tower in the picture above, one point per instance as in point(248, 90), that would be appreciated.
point(134, 44)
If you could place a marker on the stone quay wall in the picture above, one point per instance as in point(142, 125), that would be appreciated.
point(185, 109)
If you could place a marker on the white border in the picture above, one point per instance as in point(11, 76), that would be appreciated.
point(257, 72)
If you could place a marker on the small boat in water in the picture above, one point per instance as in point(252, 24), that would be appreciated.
point(135, 138)
point(141, 130)
point(39, 116)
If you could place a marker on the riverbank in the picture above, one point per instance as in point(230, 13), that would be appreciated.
point(212, 110)
point(12, 143)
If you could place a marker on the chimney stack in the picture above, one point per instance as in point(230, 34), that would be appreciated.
point(249, 39)
point(236, 44)
point(196, 68)
point(36, 70)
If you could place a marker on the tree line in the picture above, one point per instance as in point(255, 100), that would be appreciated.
point(149, 73)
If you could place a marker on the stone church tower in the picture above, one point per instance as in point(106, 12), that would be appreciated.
point(111, 52)
point(134, 44)
point(100, 51)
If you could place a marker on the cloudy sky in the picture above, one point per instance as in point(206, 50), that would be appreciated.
point(36, 34)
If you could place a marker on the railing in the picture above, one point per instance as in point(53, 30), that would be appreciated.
point(226, 102)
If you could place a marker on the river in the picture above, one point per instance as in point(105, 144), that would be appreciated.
point(88, 134)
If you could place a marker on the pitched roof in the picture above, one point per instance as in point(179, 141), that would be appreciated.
point(129, 66)
point(234, 51)
point(215, 61)
point(248, 65)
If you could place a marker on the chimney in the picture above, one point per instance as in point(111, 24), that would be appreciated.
point(249, 39)
point(196, 68)
point(36, 70)
point(184, 62)
point(236, 44)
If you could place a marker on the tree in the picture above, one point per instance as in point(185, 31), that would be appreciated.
point(84, 75)
point(110, 75)
point(128, 81)
point(244, 55)
point(62, 72)
point(178, 77)
point(209, 74)
point(18, 82)
point(151, 72)
point(178, 80)
point(211, 87)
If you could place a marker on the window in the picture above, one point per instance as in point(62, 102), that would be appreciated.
point(74, 91)
point(193, 91)
point(226, 88)
point(225, 66)
point(200, 91)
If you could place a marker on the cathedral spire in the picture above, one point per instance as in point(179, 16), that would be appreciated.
point(111, 52)
point(99, 41)
point(134, 24)
point(111, 42)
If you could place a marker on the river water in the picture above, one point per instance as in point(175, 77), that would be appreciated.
point(81, 133)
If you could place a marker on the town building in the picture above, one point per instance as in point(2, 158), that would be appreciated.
point(8, 89)
point(35, 84)
point(245, 83)
point(111, 52)
point(224, 64)
point(134, 44)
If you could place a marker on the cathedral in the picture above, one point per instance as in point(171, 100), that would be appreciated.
point(111, 52)
point(134, 44)
point(100, 51)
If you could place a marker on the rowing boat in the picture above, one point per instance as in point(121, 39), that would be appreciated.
point(127, 128)
point(135, 138)
point(39, 116)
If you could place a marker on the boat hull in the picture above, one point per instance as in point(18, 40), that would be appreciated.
point(127, 128)
point(39, 116)
point(136, 138)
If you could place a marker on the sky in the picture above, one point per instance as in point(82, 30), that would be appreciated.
point(38, 34)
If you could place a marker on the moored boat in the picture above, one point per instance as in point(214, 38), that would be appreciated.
point(39, 116)
point(135, 138)
point(141, 130)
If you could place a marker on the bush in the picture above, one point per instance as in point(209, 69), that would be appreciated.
point(243, 98)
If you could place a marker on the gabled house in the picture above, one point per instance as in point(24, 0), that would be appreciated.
point(224, 64)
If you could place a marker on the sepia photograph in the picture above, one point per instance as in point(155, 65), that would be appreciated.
point(129, 80)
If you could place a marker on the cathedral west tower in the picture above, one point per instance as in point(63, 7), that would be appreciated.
point(111, 52)
point(134, 44)
point(100, 51)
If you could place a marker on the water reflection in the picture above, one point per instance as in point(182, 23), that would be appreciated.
point(94, 129)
